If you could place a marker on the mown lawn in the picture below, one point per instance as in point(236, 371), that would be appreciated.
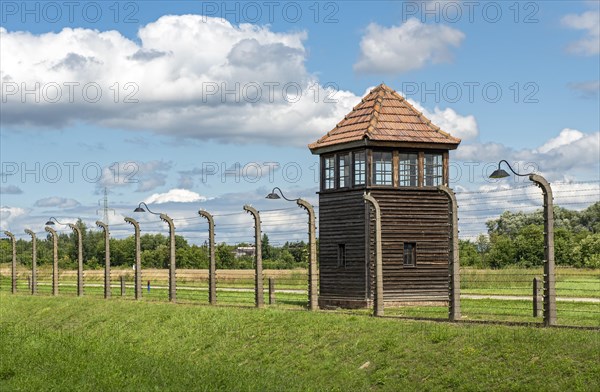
point(89, 344)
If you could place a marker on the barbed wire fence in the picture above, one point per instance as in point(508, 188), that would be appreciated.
point(513, 292)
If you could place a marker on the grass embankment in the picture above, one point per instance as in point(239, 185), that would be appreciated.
point(89, 344)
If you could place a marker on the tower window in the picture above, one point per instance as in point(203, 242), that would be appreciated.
point(410, 254)
point(408, 169)
point(433, 169)
point(360, 168)
point(382, 168)
point(344, 170)
point(329, 172)
point(341, 256)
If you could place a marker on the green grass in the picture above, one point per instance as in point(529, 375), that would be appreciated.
point(570, 282)
point(89, 344)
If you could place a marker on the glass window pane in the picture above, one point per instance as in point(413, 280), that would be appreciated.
point(408, 169)
point(360, 167)
point(329, 172)
point(433, 169)
point(382, 168)
point(344, 174)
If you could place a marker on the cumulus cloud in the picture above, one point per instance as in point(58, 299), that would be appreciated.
point(189, 76)
point(566, 137)
point(176, 196)
point(10, 190)
point(412, 45)
point(463, 127)
point(589, 22)
point(57, 202)
point(571, 154)
point(9, 214)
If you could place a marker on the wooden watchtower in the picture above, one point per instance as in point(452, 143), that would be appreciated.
point(388, 148)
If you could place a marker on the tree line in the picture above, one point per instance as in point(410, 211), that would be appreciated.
point(517, 239)
point(513, 239)
point(155, 252)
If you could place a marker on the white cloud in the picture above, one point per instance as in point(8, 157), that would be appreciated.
point(588, 21)
point(176, 196)
point(463, 127)
point(9, 214)
point(571, 154)
point(565, 137)
point(57, 202)
point(179, 76)
point(412, 45)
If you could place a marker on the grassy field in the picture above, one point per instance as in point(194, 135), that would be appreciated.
point(88, 344)
point(234, 287)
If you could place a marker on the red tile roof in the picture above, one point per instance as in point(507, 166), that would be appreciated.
point(384, 115)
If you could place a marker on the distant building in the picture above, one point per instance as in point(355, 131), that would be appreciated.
point(244, 251)
point(388, 148)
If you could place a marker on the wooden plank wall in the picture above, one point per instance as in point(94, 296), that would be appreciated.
point(419, 216)
point(342, 221)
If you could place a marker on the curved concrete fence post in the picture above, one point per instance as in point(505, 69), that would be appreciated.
point(313, 293)
point(549, 273)
point(258, 274)
point(33, 261)
point(453, 257)
point(104, 228)
point(138, 258)
point(77, 232)
point(172, 265)
point(378, 256)
point(13, 268)
point(54, 259)
point(212, 264)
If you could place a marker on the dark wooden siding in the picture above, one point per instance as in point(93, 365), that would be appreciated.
point(421, 217)
point(342, 221)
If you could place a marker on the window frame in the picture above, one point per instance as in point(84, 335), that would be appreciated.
point(413, 254)
point(329, 170)
point(363, 171)
point(436, 170)
point(347, 172)
point(384, 173)
point(404, 171)
point(342, 261)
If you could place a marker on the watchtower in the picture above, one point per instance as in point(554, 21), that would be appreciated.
point(387, 148)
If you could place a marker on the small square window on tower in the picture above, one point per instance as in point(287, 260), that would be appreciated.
point(341, 256)
point(410, 254)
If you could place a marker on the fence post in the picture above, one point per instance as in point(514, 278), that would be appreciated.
point(138, 258)
point(454, 313)
point(54, 259)
point(122, 285)
point(33, 261)
point(77, 232)
point(104, 227)
point(536, 298)
point(313, 295)
point(271, 291)
point(258, 274)
point(29, 282)
point(378, 256)
point(14, 261)
point(172, 266)
point(549, 277)
point(212, 264)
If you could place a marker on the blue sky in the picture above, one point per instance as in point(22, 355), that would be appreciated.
point(542, 56)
